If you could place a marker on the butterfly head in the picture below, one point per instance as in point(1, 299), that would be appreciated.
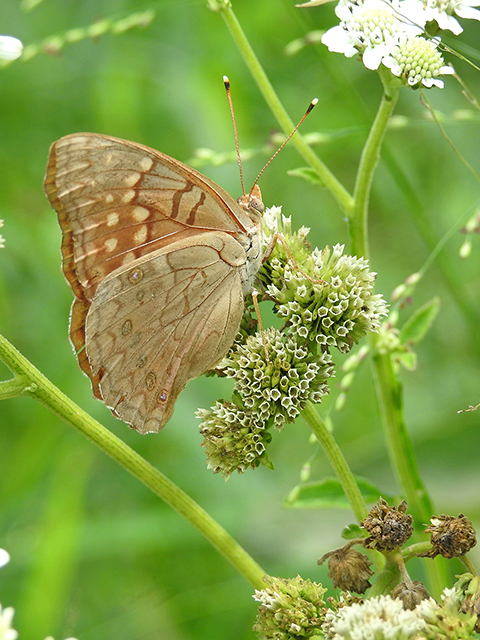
point(252, 202)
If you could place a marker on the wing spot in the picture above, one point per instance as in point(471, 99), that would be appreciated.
point(141, 362)
point(140, 214)
point(112, 218)
point(110, 244)
point(127, 327)
point(108, 198)
point(108, 157)
point(150, 380)
point(131, 179)
point(128, 196)
point(146, 163)
point(162, 397)
point(140, 295)
point(140, 235)
point(129, 257)
point(135, 276)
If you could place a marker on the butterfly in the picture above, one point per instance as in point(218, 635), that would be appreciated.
point(159, 259)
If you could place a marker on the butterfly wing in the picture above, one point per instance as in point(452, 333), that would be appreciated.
point(161, 322)
point(118, 201)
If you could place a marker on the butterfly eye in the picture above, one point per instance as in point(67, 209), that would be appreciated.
point(257, 205)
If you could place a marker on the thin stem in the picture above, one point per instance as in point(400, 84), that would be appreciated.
point(341, 468)
point(468, 565)
point(366, 170)
point(402, 455)
point(338, 462)
point(327, 178)
point(45, 392)
point(401, 452)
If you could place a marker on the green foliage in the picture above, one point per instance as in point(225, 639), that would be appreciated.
point(94, 554)
point(328, 494)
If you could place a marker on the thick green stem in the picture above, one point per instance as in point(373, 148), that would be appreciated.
point(366, 170)
point(45, 392)
point(338, 191)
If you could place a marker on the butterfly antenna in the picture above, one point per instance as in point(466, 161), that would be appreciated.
point(310, 107)
point(226, 82)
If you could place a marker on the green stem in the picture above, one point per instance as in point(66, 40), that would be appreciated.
point(327, 178)
point(337, 461)
point(45, 392)
point(402, 455)
point(342, 470)
point(366, 170)
point(386, 580)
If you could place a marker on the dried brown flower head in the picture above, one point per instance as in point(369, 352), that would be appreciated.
point(450, 536)
point(388, 527)
point(349, 570)
point(410, 595)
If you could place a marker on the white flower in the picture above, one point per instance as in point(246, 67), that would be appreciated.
point(441, 11)
point(6, 630)
point(418, 62)
point(4, 555)
point(380, 617)
point(372, 28)
point(10, 48)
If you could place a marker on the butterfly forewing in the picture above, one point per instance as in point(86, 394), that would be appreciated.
point(159, 258)
point(118, 200)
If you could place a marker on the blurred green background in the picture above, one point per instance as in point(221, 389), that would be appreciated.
point(94, 554)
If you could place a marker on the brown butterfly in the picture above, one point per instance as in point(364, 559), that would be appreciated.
point(159, 259)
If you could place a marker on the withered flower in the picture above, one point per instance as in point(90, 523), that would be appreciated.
point(450, 536)
point(388, 527)
point(349, 570)
point(410, 595)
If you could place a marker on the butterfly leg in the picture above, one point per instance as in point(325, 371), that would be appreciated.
point(278, 237)
point(260, 322)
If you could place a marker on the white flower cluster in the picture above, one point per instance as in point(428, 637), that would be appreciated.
point(384, 617)
point(391, 33)
point(380, 617)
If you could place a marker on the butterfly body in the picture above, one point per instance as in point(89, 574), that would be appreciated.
point(159, 259)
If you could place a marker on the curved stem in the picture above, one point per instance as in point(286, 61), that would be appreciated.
point(338, 462)
point(366, 170)
point(327, 178)
point(45, 392)
point(341, 468)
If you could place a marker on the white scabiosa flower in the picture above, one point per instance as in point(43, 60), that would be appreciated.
point(441, 11)
point(10, 48)
point(419, 63)
point(372, 28)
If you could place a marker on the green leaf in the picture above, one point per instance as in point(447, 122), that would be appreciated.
point(352, 531)
point(416, 327)
point(307, 174)
point(408, 359)
point(328, 493)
